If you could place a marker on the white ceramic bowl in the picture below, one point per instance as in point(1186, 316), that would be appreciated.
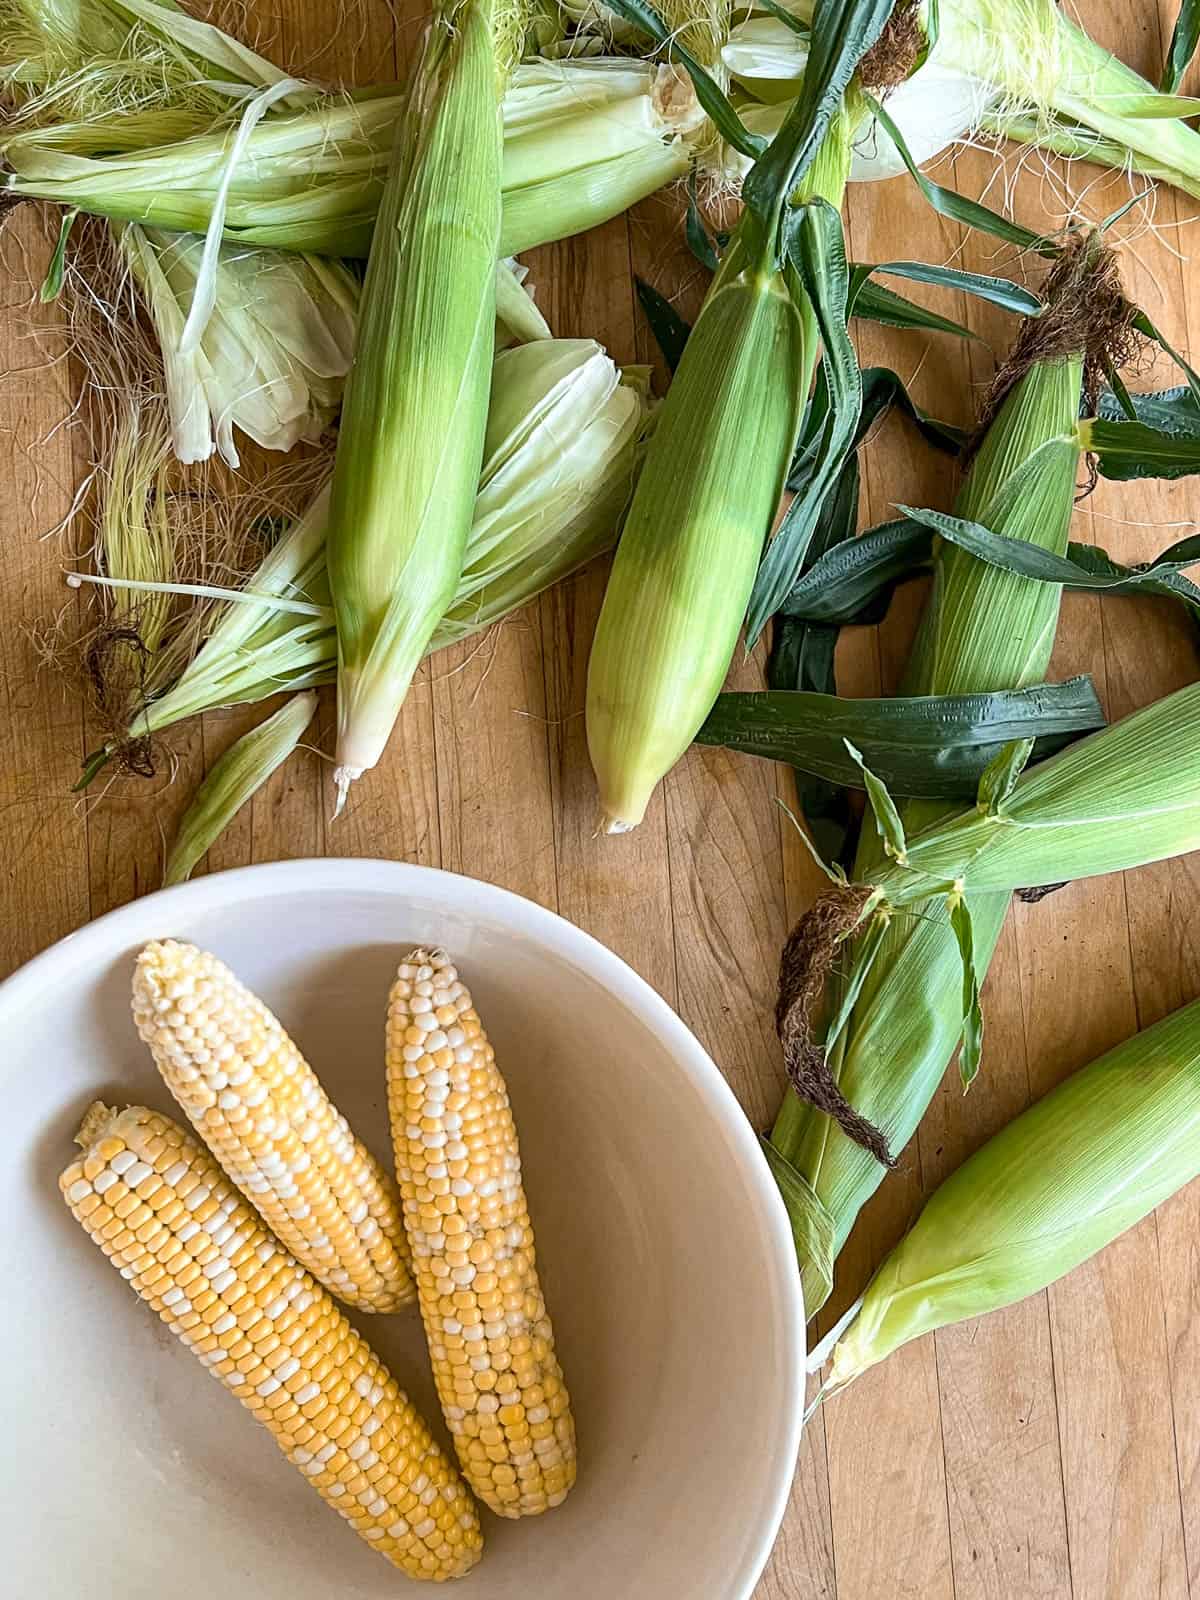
point(665, 1253)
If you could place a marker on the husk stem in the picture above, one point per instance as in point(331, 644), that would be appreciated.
point(1055, 1186)
point(983, 629)
point(703, 508)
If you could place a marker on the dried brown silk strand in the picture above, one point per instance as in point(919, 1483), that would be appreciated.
point(804, 968)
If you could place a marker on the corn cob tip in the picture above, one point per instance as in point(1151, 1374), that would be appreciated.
point(95, 1119)
point(612, 825)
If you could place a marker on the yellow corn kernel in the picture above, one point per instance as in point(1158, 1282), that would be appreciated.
point(261, 1110)
point(426, 1534)
point(494, 1364)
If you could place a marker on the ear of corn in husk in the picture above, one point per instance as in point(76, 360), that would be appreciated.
point(714, 474)
point(541, 511)
point(983, 629)
point(584, 140)
point(412, 431)
point(1122, 798)
point(1020, 66)
point(198, 1255)
point(1056, 1185)
point(234, 779)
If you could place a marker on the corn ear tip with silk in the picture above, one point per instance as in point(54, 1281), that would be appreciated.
point(196, 1253)
point(983, 629)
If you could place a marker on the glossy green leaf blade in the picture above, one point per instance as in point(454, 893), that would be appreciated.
point(995, 291)
point(1096, 571)
point(842, 33)
point(668, 327)
point(1182, 48)
point(875, 303)
point(958, 208)
point(937, 746)
point(817, 249)
point(1126, 451)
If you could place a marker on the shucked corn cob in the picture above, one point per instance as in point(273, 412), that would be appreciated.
point(161, 1210)
point(259, 1107)
point(490, 1339)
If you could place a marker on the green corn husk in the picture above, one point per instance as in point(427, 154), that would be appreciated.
point(1020, 68)
point(411, 438)
point(540, 513)
point(274, 354)
point(1063, 1180)
point(702, 511)
point(583, 141)
point(237, 776)
point(1122, 798)
point(983, 629)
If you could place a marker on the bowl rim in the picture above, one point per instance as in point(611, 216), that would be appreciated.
point(379, 876)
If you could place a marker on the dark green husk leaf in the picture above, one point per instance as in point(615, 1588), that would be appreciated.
point(1143, 325)
point(842, 33)
point(1083, 568)
point(1175, 411)
point(1125, 450)
point(956, 207)
point(1000, 292)
point(668, 327)
point(856, 573)
point(816, 247)
point(931, 746)
point(875, 303)
point(1184, 39)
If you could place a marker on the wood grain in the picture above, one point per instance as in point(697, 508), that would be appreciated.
point(1050, 1452)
